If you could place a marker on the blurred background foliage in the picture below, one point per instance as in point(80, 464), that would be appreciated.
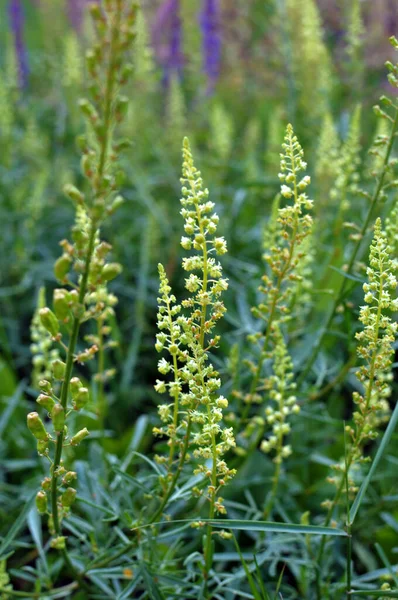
point(229, 74)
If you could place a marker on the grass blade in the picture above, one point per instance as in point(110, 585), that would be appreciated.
point(17, 526)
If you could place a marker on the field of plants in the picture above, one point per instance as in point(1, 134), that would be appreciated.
point(198, 299)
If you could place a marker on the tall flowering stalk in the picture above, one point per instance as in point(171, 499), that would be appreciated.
point(210, 24)
point(283, 257)
point(17, 19)
point(81, 297)
point(194, 417)
point(376, 350)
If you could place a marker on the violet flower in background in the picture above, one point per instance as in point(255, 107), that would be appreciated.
point(17, 19)
point(210, 24)
point(76, 10)
point(167, 38)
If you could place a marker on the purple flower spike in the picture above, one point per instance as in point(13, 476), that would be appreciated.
point(210, 24)
point(75, 13)
point(167, 38)
point(16, 16)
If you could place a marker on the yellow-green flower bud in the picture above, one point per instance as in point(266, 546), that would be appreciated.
point(58, 369)
point(62, 267)
point(61, 304)
point(45, 386)
point(88, 109)
point(69, 477)
point(36, 426)
point(41, 502)
point(49, 321)
point(79, 437)
point(68, 497)
point(46, 402)
point(74, 194)
point(58, 417)
point(81, 399)
point(46, 484)
point(58, 543)
point(75, 385)
point(110, 271)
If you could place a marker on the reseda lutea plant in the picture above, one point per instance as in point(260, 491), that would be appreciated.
point(83, 270)
point(194, 418)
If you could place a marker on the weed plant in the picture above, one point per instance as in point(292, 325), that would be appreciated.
point(221, 425)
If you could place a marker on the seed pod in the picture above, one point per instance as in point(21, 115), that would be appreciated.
point(49, 321)
point(41, 502)
point(46, 402)
point(74, 194)
point(79, 437)
point(110, 271)
point(58, 417)
point(68, 497)
point(62, 267)
point(75, 385)
point(81, 399)
point(58, 369)
point(61, 304)
point(36, 426)
point(69, 477)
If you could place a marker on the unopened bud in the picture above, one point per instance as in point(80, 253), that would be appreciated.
point(41, 502)
point(49, 321)
point(68, 497)
point(62, 267)
point(75, 385)
point(110, 271)
point(74, 194)
point(58, 369)
point(36, 427)
point(69, 477)
point(79, 437)
point(81, 399)
point(46, 402)
point(61, 304)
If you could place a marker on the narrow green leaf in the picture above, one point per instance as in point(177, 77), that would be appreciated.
point(387, 563)
point(16, 527)
point(246, 525)
point(151, 588)
point(249, 576)
point(384, 442)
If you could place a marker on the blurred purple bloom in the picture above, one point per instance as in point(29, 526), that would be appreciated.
point(76, 11)
point(16, 16)
point(167, 38)
point(210, 24)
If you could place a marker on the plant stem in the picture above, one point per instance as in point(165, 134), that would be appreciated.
point(167, 495)
point(68, 374)
point(355, 252)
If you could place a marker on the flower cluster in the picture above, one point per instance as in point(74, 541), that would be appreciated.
point(83, 270)
point(376, 342)
point(285, 256)
point(281, 391)
point(376, 349)
point(186, 334)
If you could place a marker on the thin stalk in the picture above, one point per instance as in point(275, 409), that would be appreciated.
point(68, 374)
point(355, 252)
point(101, 405)
point(173, 484)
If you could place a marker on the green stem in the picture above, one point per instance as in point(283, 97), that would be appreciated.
point(344, 282)
point(173, 484)
point(68, 374)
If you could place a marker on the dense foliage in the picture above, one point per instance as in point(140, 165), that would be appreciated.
point(197, 391)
